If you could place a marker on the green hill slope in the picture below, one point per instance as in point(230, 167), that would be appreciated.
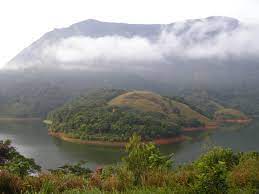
point(114, 115)
point(206, 105)
point(152, 102)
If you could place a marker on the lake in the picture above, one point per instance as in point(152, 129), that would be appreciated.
point(32, 140)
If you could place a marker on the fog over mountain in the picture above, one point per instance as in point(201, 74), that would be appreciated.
point(209, 53)
point(197, 49)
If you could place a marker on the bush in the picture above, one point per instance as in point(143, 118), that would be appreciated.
point(144, 157)
point(78, 169)
point(14, 162)
point(184, 176)
point(125, 177)
point(54, 183)
point(216, 156)
point(156, 178)
point(9, 183)
point(212, 169)
point(246, 174)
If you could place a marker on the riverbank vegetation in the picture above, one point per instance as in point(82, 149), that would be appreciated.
point(143, 170)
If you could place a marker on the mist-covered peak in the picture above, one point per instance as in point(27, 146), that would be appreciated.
point(230, 22)
point(92, 45)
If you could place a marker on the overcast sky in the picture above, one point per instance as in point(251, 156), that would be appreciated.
point(22, 22)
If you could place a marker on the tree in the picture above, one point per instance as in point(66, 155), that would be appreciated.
point(143, 157)
point(14, 162)
point(212, 169)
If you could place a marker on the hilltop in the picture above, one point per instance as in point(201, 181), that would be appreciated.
point(211, 108)
point(114, 115)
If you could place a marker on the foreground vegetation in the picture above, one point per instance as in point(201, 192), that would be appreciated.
point(143, 170)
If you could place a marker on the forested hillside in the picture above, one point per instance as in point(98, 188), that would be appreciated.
point(114, 115)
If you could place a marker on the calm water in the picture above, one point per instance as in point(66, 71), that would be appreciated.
point(32, 140)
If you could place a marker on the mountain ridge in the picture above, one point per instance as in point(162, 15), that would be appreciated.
point(94, 28)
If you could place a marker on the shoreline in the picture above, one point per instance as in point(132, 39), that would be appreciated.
point(20, 119)
point(239, 121)
point(205, 128)
point(161, 141)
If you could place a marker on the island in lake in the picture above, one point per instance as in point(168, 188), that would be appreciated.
point(112, 116)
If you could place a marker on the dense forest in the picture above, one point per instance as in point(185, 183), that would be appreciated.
point(114, 115)
point(142, 170)
point(91, 117)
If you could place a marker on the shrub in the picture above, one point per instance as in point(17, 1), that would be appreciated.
point(143, 157)
point(55, 183)
point(14, 162)
point(9, 183)
point(218, 155)
point(95, 181)
point(124, 176)
point(246, 174)
point(212, 169)
point(243, 156)
point(78, 169)
point(156, 178)
point(184, 176)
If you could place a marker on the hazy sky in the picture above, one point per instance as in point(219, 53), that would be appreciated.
point(22, 22)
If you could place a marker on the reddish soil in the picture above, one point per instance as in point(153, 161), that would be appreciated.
point(206, 128)
point(19, 119)
point(164, 141)
point(161, 141)
point(240, 121)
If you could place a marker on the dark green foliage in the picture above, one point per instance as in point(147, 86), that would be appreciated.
point(144, 157)
point(14, 162)
point(194, 105)
point(190, 123)
point(78, 169)
point(212, 169)
point(28, 100)
point(90, 118)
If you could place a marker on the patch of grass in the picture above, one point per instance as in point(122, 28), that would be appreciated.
point(228, 113)
point(142, 100)
point(152, 102)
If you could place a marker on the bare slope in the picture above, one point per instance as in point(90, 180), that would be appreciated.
point(152, 102)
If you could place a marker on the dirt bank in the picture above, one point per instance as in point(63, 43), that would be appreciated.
point(240, 121)
point(161, 141)
point(205, 128)
point(19, 119)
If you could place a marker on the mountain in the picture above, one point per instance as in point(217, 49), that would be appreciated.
point(215, 53)
point(196, 30)
point(206, 28)
point(204, 51)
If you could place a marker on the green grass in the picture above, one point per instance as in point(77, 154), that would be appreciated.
point(142, 100)
point(152, 102)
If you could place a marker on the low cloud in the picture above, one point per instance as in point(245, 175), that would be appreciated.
point(198, 42)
